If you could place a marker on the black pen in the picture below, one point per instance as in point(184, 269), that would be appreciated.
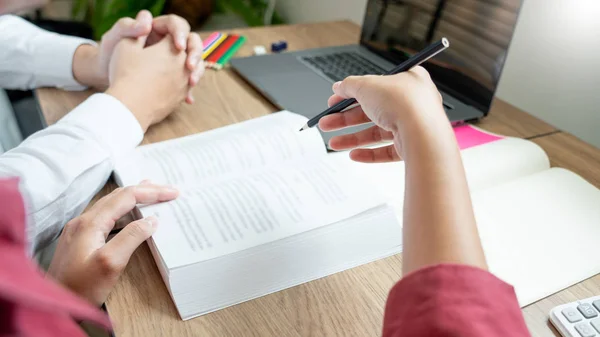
point(414, 61)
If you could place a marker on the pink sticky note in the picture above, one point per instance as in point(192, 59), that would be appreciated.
point(468, 136)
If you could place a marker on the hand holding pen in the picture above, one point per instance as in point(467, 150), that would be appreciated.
point(406, 108)
point(414, 61)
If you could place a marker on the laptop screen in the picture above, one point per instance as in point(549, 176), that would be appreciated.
point(479, 32)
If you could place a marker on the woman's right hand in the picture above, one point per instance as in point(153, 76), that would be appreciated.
point(397, 104)
point(438, 221)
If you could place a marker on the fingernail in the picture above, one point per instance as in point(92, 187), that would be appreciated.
point(181, 40)
point(336, 85)
point(171, 189)
point(151, 221)
point(138, 24)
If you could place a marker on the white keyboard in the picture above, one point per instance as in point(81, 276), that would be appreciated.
point(578, 319)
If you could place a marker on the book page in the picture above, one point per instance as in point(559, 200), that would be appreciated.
point(223, 153)
point(208, 221)
point(540, 233)
point(503, 161)
point(486, 166)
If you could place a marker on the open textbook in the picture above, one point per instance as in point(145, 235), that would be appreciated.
point(264, 207)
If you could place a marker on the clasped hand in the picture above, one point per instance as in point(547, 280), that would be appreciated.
point(149, 64)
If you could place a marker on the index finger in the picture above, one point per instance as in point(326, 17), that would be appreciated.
point(175, 26)
point(333, 100)
point(340, 120)
point(123, 200)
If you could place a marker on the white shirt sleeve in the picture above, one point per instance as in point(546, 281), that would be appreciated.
point(31, 57)
point(63, 166)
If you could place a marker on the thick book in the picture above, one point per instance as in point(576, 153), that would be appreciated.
point(264, 207)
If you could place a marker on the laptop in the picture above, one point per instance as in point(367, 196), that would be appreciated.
point(466, 74)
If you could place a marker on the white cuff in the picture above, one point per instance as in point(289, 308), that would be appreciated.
point(54, 60)
point(109, 121)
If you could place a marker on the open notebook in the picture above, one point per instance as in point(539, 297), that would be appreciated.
point(538, 225)
point(264, 207)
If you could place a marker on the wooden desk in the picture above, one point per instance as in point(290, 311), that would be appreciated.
point(350, 303)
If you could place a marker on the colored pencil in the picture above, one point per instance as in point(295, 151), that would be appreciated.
point(222, 49)
point(210, 49)
point(209, 40)
point(223, 60)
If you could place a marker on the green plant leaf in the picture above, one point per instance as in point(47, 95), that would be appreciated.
point(78, 7)
point(277, 19)
point(103, 14)
point(110, 11)
point(219, 7)
point(157, 8)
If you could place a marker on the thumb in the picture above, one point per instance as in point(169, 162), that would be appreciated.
point(351, 86)
point(122, 246)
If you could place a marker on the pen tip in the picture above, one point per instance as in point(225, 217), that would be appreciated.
point(301, 129)
point(304, 127)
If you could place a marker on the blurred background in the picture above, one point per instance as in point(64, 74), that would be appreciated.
point(551, 70)
point(92, 18)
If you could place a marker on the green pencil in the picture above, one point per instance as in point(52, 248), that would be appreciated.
point(223, 60)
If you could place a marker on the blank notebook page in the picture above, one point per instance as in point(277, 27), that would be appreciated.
point(540, 233)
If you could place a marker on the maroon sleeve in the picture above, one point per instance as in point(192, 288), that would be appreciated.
point(453, 300)
point(30, 304)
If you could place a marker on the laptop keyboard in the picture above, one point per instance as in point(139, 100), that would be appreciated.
point(338, 66)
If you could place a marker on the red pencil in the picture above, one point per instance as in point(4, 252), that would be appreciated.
point(222, 49)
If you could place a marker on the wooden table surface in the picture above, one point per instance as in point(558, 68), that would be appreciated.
point(349, 303)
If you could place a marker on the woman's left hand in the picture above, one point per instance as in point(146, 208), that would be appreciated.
point(88, 265)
